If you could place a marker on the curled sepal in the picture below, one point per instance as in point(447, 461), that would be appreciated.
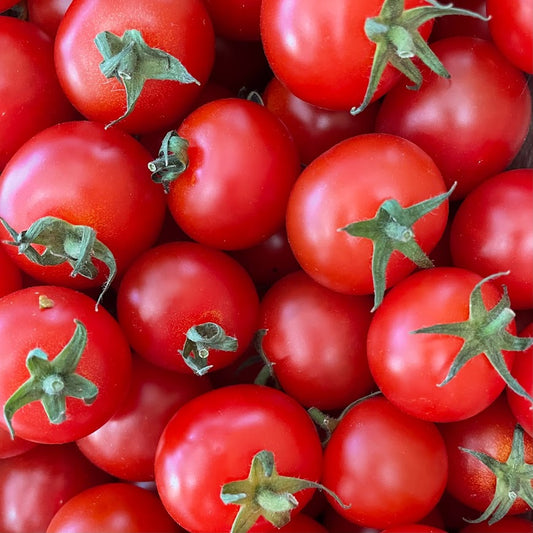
point(392, 229)
point(131, 61)
point(265, 493)
point(171, 161)
point(64, 242)
point(398, 42)
point(51, 382)
point(513, 479)
point(202, 338)
point(484, 332)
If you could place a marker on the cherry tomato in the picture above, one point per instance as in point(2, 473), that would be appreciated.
point(47, 14)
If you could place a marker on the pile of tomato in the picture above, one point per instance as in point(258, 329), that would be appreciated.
point(266, 265)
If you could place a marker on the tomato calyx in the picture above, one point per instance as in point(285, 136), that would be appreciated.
point(484, 332)
point(64, 242)
point(513, 479)
point(392, 229)
point(202, 338)
point(265, 493)
point(172, 160)
point(131, 61)
point(398, 42)
point(51, 382)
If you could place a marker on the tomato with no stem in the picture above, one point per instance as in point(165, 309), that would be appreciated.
point(11, 279)
point(62, 355)
point(169, 44)
point(211, 442)
point(47, 14)
point(389, 467)
point(492, 231)
point(235, 19)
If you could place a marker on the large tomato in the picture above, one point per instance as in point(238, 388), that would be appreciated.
point(179, 35)
point(213, 439)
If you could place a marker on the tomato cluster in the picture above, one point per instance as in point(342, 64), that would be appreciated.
point(266, 265)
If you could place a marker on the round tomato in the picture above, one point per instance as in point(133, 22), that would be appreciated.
point(47, 14)
point(473, 124)
point(389, 467)
point(65, 366)
point(238, 164)
point(315, 339)
point(410, 367)
point(181, 291)
point(235, 19)
point(199, 454)
point(138, 68)
point(375, 180)
point(11, 279)
point(492, 231)
point(9, 446)
point(508, 524)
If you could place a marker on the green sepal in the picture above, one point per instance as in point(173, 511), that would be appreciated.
point(513, 479)
point(265, 493)
point(392, 229)
point(199, 340)
point(131, 61)
point(64, 242)
point(398, 42)
point(51, 382)
point(172, 160)
point(484, 332)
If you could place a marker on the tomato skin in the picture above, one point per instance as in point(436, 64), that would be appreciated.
point(489, 114)
point(511, 31)
point(374, 454)
point(345, 185)
point(11, 279)
point(301, 523)
point(407, 367)
point(152, 399)
point(490, 432)
point(161, 102)
point(113, 508)
point(47, 14)
point(34, 485)
point(27, 61)
point(10, 447)
point(321, 53)
point(50, 329)
point(508, 524)
point(316, 340)
point(492, 232)
point(455, 25)
point(177, 285)
point(235, 19)
point(75, 185)
point(242, 166)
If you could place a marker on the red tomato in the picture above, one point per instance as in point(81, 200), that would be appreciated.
point(512, 31)
point(235, 19)
point(374, 454)
point(240, 164)
point(472, 125)
point(153, 397)
point(176, 286)
point(408, 367)
point(113, 508)
point(41, 321)
point(35, 484)
point(490, 432)
point(9, 447)
point(47, 14)
point(75, 185)
point(11, 279)
point(345, 185)
point(316, 341)
point(413, 528)
point(492, 231)
point(199, 453)
point(6, 4)
point(32, 100)
point(508, 524)
point(162, 99)
point(315, 129)
point(458, 25)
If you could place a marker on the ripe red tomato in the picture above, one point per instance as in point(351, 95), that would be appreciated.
point(199, 453)
point(350, 183)
point(31, 98)
point(315, 339)
point(176, 286)
point(458, 25)
point(181, 30)
point(235, 19)
point(473, 124)
point(11, 279)
point(113, 508)
point(47, 14)
point(9, 447)
point(240, 165)
point(372, 459)
point(42, 321)
point(508, 524)
point(492, 231)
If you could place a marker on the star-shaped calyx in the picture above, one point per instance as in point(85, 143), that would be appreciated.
point(398, 42)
